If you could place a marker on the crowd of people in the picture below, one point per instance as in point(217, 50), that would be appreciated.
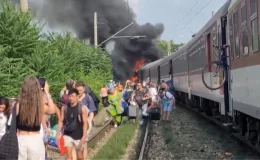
point(137, 97)
point(25, 120)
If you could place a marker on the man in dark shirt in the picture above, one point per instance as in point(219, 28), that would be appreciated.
point(74, 120)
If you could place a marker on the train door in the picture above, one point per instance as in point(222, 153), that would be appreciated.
point(209, 53)
point(209, 50)
point(226, 90)
point(171, 70)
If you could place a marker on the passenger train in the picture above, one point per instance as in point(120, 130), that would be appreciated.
point(237, 102)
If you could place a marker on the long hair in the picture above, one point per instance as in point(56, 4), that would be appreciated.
point(30, 102)
point(5, 101)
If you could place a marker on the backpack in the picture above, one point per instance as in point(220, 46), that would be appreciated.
point(89, 92)
point(90, 103)
point(64, 99)
point(9, 142)
point(170, 90)
point(70, 127)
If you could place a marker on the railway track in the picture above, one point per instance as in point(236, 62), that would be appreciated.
point(226, 127)
point(99, 134)
point(146, 140)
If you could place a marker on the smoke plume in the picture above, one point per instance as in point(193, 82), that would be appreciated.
point(77, 16)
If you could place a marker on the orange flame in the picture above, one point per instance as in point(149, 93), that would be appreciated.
point(138, 64)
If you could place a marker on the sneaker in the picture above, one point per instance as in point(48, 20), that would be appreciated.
point(115, 125)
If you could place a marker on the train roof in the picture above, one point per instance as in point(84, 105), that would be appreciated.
point(152, 64)
point(221, 12)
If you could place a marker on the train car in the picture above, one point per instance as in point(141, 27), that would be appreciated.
point(150, 72)
point(237, 24)
point(243, 37)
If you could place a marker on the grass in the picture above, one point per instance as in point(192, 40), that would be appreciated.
point(118, 143)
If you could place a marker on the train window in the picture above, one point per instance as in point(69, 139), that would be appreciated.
point(254, 25)
point(236, 34)
point(255, 38)
point(245, 30)
point(253, 7)
point(243, 14)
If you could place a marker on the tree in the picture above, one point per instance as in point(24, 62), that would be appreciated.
point(24, 51)
point(164, 46)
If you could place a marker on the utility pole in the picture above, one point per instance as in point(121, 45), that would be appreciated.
point(24, 5)
point(95, 30)
point(169, 48)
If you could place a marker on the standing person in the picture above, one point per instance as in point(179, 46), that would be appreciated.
point(115, 108)
point(104, 95)
point(64, 92)
point(141, 97)
point(86, 100)
point(153, 92)
point(30, 111)
point(169, 102)
point(74, 120)
point(4, 115)
point(46, 120)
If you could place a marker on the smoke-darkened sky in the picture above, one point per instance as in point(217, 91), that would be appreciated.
point(113, 15)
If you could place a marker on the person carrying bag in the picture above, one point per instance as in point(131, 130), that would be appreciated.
point(9, 143)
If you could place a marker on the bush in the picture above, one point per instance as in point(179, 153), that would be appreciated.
point(25, 51)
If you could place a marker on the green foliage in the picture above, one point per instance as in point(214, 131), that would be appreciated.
point(24, 51)
point(164, 46)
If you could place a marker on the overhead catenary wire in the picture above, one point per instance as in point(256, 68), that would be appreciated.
point(198, 13)
point(188, 12)
point(185, 26)
point(179, 22)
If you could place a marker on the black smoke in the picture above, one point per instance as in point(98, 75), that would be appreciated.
point(113, 15)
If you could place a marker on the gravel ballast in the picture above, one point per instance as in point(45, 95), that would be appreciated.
point(189, 136)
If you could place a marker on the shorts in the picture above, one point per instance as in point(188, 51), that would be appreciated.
point(31, 147)
point(167, 107)
point(70, 142)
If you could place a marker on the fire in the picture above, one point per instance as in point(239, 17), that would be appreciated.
point(138, 64)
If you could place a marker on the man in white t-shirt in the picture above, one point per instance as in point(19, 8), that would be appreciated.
point(169, 104)
point(153, 92)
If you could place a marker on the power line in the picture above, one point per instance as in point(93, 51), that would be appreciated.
point(185, 26)
point(179, 22)
point(188, 12)
point(197, 13)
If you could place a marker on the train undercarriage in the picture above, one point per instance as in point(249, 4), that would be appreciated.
point(244, 127)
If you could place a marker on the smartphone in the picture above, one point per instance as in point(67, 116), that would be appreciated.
point(42, 82)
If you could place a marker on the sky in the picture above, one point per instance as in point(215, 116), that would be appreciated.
point(175, 14)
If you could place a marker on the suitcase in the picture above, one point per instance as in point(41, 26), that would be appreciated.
point(132, 111)
point(155, 113)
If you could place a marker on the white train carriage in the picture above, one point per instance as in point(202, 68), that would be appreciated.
point(150, 72)
point(236, 23)
point(243, 37)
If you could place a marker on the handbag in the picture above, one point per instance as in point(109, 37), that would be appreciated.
point(9, 143)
